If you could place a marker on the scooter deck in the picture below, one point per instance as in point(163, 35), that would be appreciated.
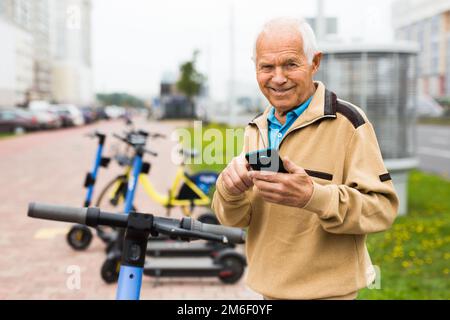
point(182, 249)
point(182, 267)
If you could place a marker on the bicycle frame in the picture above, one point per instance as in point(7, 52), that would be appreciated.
point(171, 200)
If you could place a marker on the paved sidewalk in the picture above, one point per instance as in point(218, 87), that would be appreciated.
point(36, 261)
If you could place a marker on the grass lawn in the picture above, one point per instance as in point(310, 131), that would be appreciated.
point(414, 255)
point(443, 121)
point(4, 135)
point(205, 138)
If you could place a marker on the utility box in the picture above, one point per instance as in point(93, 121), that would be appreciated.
point(381, 79)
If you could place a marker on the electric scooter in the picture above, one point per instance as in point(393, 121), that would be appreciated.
point(137, 228)
point(228, 265)
point(79, 237)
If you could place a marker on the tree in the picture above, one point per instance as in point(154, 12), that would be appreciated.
point(191, 81)
point(120, 99)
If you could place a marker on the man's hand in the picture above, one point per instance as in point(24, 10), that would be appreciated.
point(292, 189)
point(235, 176)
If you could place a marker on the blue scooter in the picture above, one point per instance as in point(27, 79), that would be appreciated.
point(79, 236)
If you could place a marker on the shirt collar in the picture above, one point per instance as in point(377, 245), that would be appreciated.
point(293, 113)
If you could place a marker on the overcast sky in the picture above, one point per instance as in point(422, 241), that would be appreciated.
point(136, 41)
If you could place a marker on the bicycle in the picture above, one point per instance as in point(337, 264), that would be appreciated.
point(186, 191)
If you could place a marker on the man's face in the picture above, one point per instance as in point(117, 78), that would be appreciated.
point(284, 75)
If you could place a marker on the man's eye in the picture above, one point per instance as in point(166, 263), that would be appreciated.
point(266, 67)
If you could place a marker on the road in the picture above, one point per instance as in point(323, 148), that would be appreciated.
point(433, 149)
point(36, 262)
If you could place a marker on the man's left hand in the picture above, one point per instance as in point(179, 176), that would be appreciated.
point(292, 189)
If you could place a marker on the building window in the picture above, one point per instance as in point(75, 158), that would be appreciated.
point(447, 71)
point(435, 41)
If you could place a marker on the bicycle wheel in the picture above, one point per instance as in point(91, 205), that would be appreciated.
point(79, 237)
point(111, 199)
point(113, 194)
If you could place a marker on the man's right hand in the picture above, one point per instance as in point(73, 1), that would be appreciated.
point(235, 176)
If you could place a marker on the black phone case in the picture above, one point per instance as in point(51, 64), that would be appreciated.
point(266, 160)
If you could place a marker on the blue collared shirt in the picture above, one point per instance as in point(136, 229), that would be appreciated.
point(277, 130)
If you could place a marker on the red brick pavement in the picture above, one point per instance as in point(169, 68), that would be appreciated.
point(50, 167)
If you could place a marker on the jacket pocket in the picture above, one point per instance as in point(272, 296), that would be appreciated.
point(320, 175)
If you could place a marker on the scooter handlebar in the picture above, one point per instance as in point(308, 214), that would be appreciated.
point(234, 235)
point(115, 135)
point(93, 217)
point(57, 213)
point(150, 152)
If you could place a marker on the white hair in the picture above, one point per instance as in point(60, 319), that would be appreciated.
point(283, 24)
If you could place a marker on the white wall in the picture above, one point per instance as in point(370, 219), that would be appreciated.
point(70, 45)
point(7, 63)
point(72, 83)
point(406, 12)
point(16, 63)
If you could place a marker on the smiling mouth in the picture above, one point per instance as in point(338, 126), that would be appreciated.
point(280, 91)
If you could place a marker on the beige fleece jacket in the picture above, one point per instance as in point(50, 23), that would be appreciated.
point(317, 251)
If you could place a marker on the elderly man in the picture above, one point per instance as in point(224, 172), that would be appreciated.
point(307, 228)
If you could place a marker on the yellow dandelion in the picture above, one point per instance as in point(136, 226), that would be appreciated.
point(419, 262)
point(406, 264)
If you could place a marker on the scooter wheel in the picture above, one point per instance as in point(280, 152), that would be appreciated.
point(209, 218)
point(79, 237)
point(233, 269)
point(110, 270)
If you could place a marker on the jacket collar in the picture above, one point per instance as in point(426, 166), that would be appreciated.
point(323, 105)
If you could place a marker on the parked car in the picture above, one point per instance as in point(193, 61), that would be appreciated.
point(115, 112)
point(101, 114)
point(89, 114)
point(64, 115)
point(428, 107)
point(47, 119)
point(73, 111)
point(39, 105)
point(17, 121)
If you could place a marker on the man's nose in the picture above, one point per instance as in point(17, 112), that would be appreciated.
point(279, 78)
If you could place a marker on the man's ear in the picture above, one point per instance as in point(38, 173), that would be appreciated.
point(316, 62)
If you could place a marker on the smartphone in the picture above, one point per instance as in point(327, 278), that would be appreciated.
point(266, 160)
